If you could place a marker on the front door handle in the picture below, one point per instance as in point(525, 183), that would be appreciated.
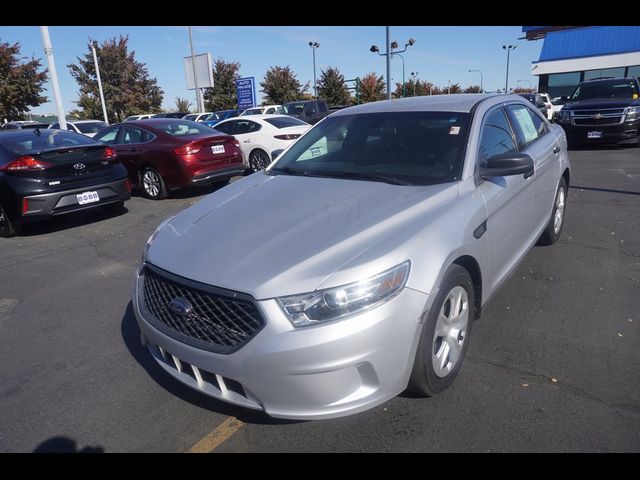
point(556, 150)
point(247, 141)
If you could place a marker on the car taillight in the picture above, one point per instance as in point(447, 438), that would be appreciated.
point(236, 142)
point(127, 184)
point(289, 136)
point(25, 164)
point(186, 150)
point(109, 154)
point(25, 205)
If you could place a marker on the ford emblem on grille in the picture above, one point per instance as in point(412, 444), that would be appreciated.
point(79, 166)
point(180, 306)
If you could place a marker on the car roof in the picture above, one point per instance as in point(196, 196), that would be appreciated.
point(460, 102)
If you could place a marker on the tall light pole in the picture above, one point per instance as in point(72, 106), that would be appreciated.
point(390, 53)
point(414, 75)
point(481, 89)
point(528, 81)
point(199, 106)
point(508, 48)
point(46, 41)
point(313, 46)
point(95, 62)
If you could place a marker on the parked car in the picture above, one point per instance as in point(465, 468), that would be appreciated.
point(603, 111)
point(27, 124)
point(263, 110)
point(164, 154)
point(261, 135)
point(310, 111)
point(537, 100)
point(196, 117)
point(365, 272)
point(170, 115)
point(212, 119)
point(138, 117)
point(548, 105)
point(53, 172)
point(85, 127)
point(557, 103)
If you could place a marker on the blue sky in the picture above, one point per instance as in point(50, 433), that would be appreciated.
point(440, 53)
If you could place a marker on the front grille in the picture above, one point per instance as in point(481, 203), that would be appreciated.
point(219, 320)
point(605, 116)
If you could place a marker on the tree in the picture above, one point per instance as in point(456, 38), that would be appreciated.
point(128, 89)
point(372, 88)
point(523, 90)
point(472, 89)
point(183, 105)
point(280, 85)
point(452, 88)
point(223, 94)
point(331, 87)
point(20, 83)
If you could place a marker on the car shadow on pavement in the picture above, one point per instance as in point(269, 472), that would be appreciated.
point(131, 336)
point(62, 444)
point(68, 221)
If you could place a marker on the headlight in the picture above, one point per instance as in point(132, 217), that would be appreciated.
point(334, 303)
point(631, 113)
point(145, 250)
point(564, 116)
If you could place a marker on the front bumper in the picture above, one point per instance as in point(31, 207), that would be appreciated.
point(623, 132)
point(302, 373)
point(57, 203)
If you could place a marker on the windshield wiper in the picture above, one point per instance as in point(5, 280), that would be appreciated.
point(288, 171)
point(376, 177)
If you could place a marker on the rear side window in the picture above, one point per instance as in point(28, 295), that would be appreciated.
point(28, 144)
point(496, 138)
point(284, 122)
point(136, 135)
point(529, 126)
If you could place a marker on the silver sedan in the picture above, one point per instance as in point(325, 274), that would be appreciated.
point(353, 267)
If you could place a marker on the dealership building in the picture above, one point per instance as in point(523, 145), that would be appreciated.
point(571, 55)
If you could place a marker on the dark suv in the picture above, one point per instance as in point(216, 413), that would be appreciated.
point(605, 110)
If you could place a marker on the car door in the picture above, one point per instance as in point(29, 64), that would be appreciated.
point(535, 139)
point(131, 147)
point(246, 131)
point(509, 201)
point(111, 136)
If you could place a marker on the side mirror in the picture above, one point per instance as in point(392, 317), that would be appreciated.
point(507, 164)
point(276, 153)
point(564, 98)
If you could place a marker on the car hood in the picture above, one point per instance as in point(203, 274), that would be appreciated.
point(597, 103)
point(272, 236)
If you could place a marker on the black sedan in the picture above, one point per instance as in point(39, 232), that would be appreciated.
point(52, 172)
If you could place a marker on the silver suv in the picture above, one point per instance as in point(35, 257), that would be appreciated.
point(353, 267)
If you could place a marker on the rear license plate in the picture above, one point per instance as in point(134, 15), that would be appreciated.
point(594, 134)
point(217, 148)
point(87, 197)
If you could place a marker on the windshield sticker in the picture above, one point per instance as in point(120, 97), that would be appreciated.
point(454, 130)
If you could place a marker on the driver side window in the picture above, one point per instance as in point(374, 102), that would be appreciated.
point(496, 137)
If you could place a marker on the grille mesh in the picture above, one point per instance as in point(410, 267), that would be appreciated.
point(216, 320)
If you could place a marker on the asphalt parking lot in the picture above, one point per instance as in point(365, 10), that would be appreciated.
point(552, 365)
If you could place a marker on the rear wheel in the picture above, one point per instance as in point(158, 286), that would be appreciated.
point(258, 160)
point(7, 227)
point(554, 227)
point(153, 186)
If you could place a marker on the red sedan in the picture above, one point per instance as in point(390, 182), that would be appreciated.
point(164, 154)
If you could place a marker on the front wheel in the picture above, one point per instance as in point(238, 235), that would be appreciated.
point(153, 185)
point(553, 229)
point(445, 335)
point(7, 227)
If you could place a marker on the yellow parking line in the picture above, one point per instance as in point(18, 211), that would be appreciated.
point(221, 433)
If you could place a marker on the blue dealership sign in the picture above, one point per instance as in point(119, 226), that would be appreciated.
point(246, 90)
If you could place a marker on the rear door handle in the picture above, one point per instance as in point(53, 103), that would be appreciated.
point(247, 141)
point(556, 150)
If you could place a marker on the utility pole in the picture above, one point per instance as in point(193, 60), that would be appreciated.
point(46, 40)
point(95, 61)
point(388, 68)
point(195, 78)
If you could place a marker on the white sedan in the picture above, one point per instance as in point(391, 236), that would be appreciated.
point(263, 110)
point(261, 135)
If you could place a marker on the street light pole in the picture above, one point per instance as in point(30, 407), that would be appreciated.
point(414, 75)
point(46, 40)
point(389, 54)
point(388, 67)
point(199, 106)
point(95, 61)
point(481, 86)
point(313, 46)
point(508, 48)
point(403, 86)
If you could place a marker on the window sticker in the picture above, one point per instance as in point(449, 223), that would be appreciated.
point(454, 130)
point(526, 124)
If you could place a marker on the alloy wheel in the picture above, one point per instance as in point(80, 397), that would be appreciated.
point(151, 182)
point(559, 215)
point(258, 160)
point(450, 331)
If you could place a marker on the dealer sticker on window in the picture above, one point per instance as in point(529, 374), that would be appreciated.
point(217, 148)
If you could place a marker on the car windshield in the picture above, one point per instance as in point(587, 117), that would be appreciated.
point(284, 122)
point(90, 127)
point(558, 101)
point(293, 108)
point(402, 148)
point(179, 128)
point(609, 89)
point(42, 140)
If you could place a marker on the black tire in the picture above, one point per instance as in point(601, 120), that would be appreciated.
point(424, 381)
point(113, 208)
point(552, 233)
point(8, 228)
point(152, 184)
point(258, 160)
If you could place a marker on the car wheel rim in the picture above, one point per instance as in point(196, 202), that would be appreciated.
point(258, 161)
point(2, 220)
point(559, 215)
point(450, 331)
point(151, 182)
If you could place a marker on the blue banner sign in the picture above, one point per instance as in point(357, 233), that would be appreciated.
point(246, 91)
